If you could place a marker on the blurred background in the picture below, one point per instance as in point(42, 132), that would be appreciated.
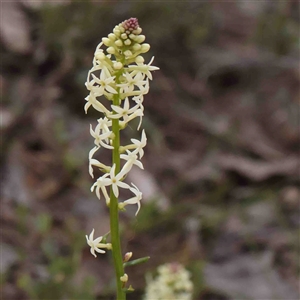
point(221, 180)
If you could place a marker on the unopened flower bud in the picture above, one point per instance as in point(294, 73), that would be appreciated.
point(140, 38)
point(145, 48)
point(124, 36)
point(118, 65)
point(124, 278)
point(137, 31)
point(116, 31)
point(106, 41)
point(131, 24)
point(139, 59)
point(136, 47)
point(111, 50)
point(118, 43)
point(128, 53)
point(127, 42)
point(100, 55)
point(112, 37)
point(127, 256)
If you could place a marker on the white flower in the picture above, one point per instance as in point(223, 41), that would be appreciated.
point(91, 153)
point(98, 56)
point(101, 184)
point(103, 83)
point(143, 69)
point(131, 159)
point(97, 163)
point(172, 282)
point(95, 244)
point(115, 181)
point(94, 162)
point(100, 138)
point(142, 91)
point(138, 99)
point(105, 124)
point(134, 200)
point(138, 113)
point(123, 112)
point(131, 81)
point(140, 144)
point(91, 100)
point(89, 83)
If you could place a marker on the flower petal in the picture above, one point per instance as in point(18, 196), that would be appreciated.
point(115, 190)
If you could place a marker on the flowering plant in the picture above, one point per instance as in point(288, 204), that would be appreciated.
point(119, 75)
point(172, 282)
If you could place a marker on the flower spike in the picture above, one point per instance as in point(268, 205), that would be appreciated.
point(117, 83)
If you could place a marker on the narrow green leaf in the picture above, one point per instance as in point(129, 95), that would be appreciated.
point(136, 261)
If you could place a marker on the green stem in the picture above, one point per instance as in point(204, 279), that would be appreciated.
point(114, 210)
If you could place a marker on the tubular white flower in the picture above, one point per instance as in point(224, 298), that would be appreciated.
point(115, 181)
point(95, 243)
point(95, 162)
point(101, 184)
point(91, 100)
point(91, 154)
point(143, 90)
point(138, 99)
point(98, 164)
point(100, 138)
point(140, 144)
point(105, 124)
point(131, 159)
point(143, 69)
point(134, 200)
point(138, 113)
point(131, 81)
point(104, 83)
point(126, 112)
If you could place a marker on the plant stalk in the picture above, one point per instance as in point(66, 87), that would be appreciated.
point(114, 210)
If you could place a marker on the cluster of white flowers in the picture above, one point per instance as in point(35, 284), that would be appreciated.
point(172, 282)
point(120, 75)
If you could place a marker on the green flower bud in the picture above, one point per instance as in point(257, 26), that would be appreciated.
point(106, 41)
point(124, 36)
point(116, 32)
point(119, 43)
point(118, 65)
point(127, 42)
point(145, 48)
point(111, 50)
point(100, 55)
point(136, 47)
point(140, 38)
point(128, 53)
point(139, 59)
point(112, 37)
